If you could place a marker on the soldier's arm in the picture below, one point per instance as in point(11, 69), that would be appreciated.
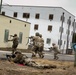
point(11, 35)
point(11, 40)
point(30, 37)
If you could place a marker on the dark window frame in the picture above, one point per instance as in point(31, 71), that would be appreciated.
point(48, 41)
point(37, 16)
point(15, 14)
point(49, 27)
point(36, 27)
point(51, 16)
point(3, 13)
point(26, 15)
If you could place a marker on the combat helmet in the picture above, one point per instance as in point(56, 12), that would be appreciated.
point(18, 52)
point(15, 35)
point(53, 44)
point(37, 34)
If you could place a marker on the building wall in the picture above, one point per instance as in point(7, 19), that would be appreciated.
point(15, 26)
point(44, 21)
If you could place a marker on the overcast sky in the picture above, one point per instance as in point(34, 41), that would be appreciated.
point(69, 5)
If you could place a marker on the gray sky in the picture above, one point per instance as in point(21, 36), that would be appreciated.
point(68, 5)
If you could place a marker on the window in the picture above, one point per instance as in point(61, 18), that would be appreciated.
point(3, 13)
point(48, 41)
point(6, 35)
point(49, 28)
point(36, 27)
point(37, 16)
point(51, 17)
point(15, 14)
point(26, 15)
point(20, 37)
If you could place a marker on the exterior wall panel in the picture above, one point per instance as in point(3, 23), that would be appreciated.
point(14, 27)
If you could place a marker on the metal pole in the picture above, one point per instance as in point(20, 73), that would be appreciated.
point(0, 6)
point(62, 19)
point(75, 59)
point(74, 38)
point(69, 23)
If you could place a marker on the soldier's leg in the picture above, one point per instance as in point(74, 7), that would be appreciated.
point(42, 55)
point(33, 51)
point(13, 51)
point(55, 56)
point(14, 48)
point(40, 52)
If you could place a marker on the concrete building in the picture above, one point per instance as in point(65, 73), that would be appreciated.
point(10, 26)
point(47, 21)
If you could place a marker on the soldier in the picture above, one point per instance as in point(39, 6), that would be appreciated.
point(35, 44)
point(56, 50)
point(19, 57)
point(15, 43)
point(41, 46)
point(23, 59)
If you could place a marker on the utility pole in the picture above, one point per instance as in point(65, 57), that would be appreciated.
point(74, 47)
point(74, 41)
point(0, 6)
point(61, 30)
point(68, 32)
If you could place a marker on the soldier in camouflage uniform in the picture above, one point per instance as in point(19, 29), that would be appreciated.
point(35, 46)
point(18, 57)
point(41, 46)
point(15, 43)
point(56, 50)
point(23, 59)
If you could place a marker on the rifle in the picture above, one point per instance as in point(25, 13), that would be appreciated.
point(9, 56)
point(11, 35)
point(28, 39)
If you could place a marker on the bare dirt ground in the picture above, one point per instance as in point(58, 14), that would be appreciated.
point(62, 68)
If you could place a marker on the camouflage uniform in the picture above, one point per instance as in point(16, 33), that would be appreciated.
point(56, 51)
point(41, 46)
point(23, 59)
point(18, 57)
point(35, 44)
point(15, 43)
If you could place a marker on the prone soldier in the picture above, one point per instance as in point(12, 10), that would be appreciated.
point(23, 59)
